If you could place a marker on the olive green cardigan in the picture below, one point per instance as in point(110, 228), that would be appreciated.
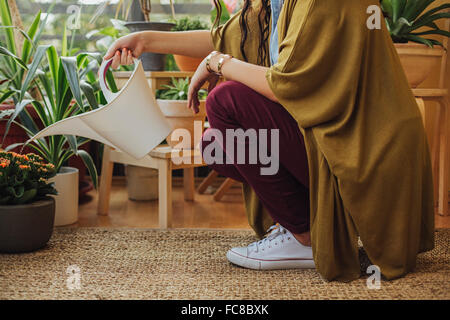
point(370, 170)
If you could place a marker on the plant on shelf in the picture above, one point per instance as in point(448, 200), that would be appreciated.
point(187, 24)
point(178, 90)
point(24, 178)
point(415, 32)
point(404, 18)
point(138, 14)
point(172, 101)
point(108, 36)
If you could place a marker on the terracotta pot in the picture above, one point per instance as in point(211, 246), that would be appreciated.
point(180, 117)
point(26, 227)
point(418, 61)
point(186, 63)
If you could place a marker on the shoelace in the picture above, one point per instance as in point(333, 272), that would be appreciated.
point(275, 231)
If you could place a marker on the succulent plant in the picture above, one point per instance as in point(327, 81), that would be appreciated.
point(23, 178)
point(405, 17)
point(187, 24)
point(178, 90)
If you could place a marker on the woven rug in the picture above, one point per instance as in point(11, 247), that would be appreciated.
point(95, 263)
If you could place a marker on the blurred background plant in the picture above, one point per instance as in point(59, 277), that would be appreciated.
point(190, 23)
point(178, 90)
point(108, 35)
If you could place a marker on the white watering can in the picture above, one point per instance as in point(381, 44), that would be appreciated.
point(131, 122)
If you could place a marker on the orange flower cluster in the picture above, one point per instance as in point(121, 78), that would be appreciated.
point(28, 172)
point(4, 162)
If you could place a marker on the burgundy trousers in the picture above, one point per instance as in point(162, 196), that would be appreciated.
point(285, 194)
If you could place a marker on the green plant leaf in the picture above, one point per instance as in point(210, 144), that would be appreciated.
point(89, 163)
point(386, 6)
point(225, 14)
point(401, 23)
point(26, 197)
point(64, 45)
point(432, 11)
point(6, 52)
point(28, 44)
point(72, 140)
point(89, 94)
point(46, 121)
point(428, 20)
point(39, 55)
point(18, 109)
point(439, 32)
point(6, 95)
point(71, 70)
point(417, 39)
point(7, 21)
point(397, 9)
point(13, 146)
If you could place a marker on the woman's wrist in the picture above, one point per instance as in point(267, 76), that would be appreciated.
point(215, 62)
point(144, 37)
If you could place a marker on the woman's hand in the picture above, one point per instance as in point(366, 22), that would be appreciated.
point(125, 49)
point(198, 80)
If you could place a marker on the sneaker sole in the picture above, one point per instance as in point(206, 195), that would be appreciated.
point(257, 264)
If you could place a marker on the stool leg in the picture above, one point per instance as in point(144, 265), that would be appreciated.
point(444, 161)
point(105, 182)
point(165, 193)
point(189, 184)
point(207, 181)
point(435, 153)
point(226, 185)
point(421, 104)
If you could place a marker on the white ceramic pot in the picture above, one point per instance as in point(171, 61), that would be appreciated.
point(142, 183)
point(180, 117)
point(66, 183)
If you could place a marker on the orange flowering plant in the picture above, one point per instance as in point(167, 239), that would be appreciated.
point(24, 178)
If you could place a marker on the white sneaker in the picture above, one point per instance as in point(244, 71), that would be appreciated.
point(279, 250)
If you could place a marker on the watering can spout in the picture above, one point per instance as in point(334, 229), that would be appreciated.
point(131, 122)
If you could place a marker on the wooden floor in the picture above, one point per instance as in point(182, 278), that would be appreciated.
point(204, 212)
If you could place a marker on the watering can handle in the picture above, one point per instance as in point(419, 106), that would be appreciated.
point(109, 95)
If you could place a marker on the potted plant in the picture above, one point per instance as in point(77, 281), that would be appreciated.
point(140, 15)
point(410, 25)
point(26, 211)
point(14, 58)
point(186, 63)
point(172, 101)
point(66, 85)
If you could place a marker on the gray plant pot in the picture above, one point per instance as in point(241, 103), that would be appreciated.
point(151, 61)
point(28, 227)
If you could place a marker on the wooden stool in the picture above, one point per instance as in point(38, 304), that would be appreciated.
point(162, 158)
